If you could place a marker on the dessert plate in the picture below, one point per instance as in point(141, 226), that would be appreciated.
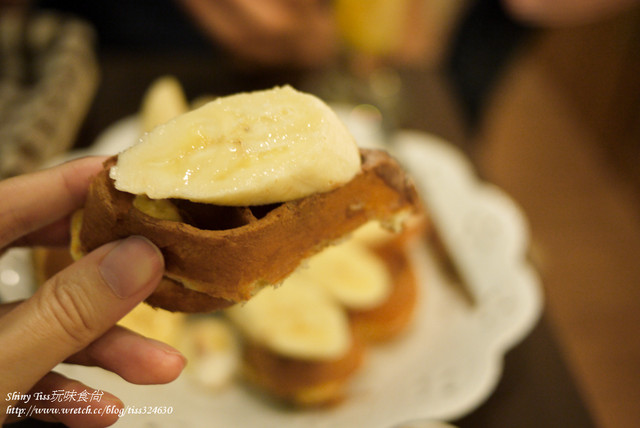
point(446, 365)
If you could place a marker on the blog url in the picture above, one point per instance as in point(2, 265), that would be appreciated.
point(35, 411)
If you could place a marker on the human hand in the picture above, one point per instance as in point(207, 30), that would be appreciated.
point(297, 33)
point(72, 316)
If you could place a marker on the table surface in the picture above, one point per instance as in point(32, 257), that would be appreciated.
point(536, 388)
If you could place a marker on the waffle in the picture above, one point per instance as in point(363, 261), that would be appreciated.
point(223, 255)
point(301, 382)
point(389, 319)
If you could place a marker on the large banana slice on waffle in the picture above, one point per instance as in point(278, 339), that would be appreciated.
point(246, 149)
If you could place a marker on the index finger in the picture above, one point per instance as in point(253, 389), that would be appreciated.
point(33, 201)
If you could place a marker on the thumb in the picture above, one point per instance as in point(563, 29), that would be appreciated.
point(77, 306)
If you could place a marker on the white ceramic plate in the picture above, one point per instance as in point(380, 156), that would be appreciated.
point(446, 365)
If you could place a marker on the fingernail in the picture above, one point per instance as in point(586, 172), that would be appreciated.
point(131, 265)
point(167, 349)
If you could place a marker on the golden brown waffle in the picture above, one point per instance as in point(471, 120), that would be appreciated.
point(229, 253)
point(389, 319)
point(301, 382)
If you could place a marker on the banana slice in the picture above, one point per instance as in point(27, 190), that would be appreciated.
point(157, 324)
point(372, 233)
point(212, 351)
point(246, 149)
point(163, 101)
point(157, 208)
point(297, 320)
point(351, 274)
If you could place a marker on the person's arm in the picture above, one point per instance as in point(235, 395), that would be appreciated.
point(298, 33)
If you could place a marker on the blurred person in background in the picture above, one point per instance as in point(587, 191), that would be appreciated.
point(299, 33)
point(491, 31)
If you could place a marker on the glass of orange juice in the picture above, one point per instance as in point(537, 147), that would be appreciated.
point(380, 39)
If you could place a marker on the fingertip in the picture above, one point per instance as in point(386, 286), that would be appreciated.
point(165, 362)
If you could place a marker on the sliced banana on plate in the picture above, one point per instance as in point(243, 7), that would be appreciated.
point(297, 319)
point(157, 324)
point(351, 274)
point(163, 101)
